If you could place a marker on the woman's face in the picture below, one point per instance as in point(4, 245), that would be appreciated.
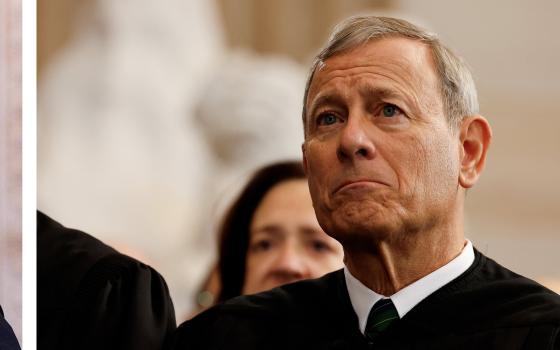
point(286, 243)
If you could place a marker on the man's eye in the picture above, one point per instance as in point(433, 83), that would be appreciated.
point(327, 119)
point(390, 110)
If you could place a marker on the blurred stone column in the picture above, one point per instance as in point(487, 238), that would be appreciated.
point(10, 162)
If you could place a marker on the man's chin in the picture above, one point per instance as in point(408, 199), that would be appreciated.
point(364, 233)
point(369, 224)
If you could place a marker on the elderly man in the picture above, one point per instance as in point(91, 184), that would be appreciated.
point(393, 140)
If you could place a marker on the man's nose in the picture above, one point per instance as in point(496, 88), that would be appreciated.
point(354, 141)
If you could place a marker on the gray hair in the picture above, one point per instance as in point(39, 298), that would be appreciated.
point(457, 85)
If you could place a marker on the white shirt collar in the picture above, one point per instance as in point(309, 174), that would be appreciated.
point(363, 298)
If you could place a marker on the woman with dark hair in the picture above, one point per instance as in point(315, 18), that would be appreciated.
point(270, 235)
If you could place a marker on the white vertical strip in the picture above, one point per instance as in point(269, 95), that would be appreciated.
point(10, 162)
point(29, 192)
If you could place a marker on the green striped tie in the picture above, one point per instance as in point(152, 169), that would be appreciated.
point(381, 316)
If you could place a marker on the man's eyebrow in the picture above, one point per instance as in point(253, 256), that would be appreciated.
point(324, 99)
point(367, 90)
point(379, 93)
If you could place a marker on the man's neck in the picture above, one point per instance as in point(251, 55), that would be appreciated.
point(390, 266)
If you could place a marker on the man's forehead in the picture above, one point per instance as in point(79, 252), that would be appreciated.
point(393, 57)
point(399, 51)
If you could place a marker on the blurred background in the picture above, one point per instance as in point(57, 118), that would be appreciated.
point(151, 117)
point(10, 163)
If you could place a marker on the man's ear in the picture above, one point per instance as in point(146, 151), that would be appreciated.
point(475, 135)
point(304, 158)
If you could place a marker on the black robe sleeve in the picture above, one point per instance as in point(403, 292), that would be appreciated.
point(89, 296)
point(8, 340)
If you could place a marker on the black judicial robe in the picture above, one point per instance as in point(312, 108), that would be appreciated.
point(487, 307)
point(8, 340)
point(89, 296)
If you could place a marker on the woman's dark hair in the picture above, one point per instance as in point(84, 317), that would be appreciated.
point(234, 230)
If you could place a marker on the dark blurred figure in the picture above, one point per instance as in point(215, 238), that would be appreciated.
point(8, 340)
point(89, 296)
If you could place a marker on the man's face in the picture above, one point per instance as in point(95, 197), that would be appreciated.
point(381, 158)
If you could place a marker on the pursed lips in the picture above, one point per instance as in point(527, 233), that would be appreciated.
point(358, 182)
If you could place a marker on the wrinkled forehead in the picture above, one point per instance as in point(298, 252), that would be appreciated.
point(405, 57)
point(404, 63)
